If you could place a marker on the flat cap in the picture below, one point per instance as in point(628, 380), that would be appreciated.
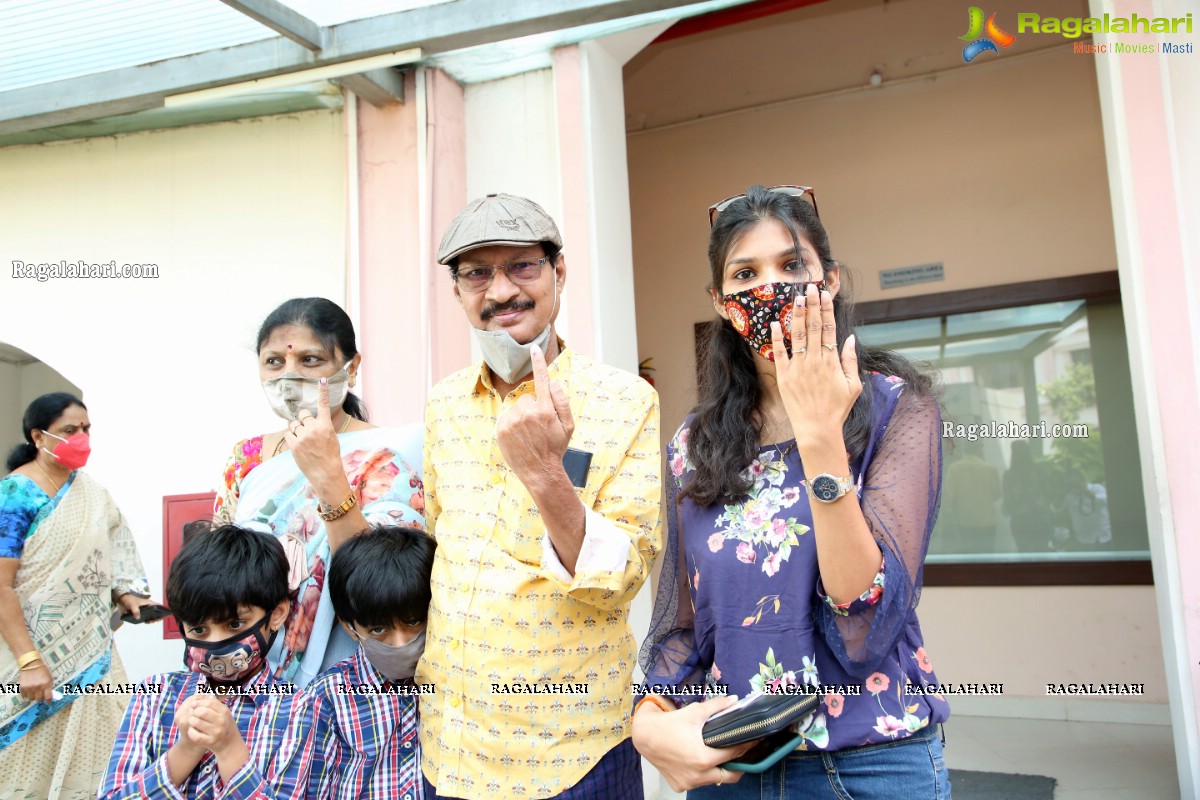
point(497, 219)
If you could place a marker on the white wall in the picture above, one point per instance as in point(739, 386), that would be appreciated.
point(238, 216)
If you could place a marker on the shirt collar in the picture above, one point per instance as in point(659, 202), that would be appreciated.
point(367, 672)
point(557, 368)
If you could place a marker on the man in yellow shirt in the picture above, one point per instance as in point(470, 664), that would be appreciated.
point(542, 481)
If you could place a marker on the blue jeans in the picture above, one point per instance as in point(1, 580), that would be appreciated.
point(910, 768)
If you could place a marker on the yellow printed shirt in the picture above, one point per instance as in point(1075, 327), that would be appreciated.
point(533, 666)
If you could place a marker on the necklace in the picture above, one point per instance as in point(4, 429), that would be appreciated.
point(46, 475)
point(777, 426)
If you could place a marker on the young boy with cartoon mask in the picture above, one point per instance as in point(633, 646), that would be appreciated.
point(219, 728)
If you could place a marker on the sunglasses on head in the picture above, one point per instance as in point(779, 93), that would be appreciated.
point(803, 192)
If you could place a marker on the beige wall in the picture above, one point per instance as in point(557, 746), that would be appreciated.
point(996, 169)
point(238, 216)
point(20, 385)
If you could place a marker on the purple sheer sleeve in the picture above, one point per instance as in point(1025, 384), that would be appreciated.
point(900, 496)
point(669, 656)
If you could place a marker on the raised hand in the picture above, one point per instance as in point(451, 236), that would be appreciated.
point(534, 433)
point(314, 445)
point(817, 386)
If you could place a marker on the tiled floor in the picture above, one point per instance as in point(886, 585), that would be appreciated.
point(1092, 761)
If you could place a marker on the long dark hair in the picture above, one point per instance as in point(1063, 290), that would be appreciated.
point(39, 416)
point(332, 326)
point(726, 425)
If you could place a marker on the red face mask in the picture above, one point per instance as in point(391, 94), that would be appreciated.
point(74, 451)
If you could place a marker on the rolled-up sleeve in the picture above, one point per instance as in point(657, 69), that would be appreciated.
point(622, 528)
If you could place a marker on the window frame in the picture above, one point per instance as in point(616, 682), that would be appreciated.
point(1100, 286)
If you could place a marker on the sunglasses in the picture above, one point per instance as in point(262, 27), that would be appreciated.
point(803, 192)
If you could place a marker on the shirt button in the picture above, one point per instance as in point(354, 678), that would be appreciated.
point(497, 479)
point(408, 745)
point(454, 644)
point(454, 701)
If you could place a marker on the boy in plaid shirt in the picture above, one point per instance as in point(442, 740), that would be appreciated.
point(364, 709)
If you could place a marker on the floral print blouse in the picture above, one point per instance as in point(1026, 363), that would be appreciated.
point(740, 606)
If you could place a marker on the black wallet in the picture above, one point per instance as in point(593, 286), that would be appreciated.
point(770, 717)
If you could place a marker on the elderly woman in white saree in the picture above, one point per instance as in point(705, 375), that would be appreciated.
point(325, 478)
point(68, 568)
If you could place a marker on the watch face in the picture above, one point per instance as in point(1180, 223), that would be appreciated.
point(825, 488)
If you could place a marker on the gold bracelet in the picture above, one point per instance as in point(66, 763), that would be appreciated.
point(330, 513)
point(27, 659)
point(33, 665)
point(654, 699)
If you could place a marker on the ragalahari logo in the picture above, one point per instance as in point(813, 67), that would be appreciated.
point(994, 35)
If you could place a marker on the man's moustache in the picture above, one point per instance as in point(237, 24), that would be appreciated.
point(491, 311)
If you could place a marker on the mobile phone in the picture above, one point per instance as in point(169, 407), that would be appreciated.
point(150, 613)
point(576, 463)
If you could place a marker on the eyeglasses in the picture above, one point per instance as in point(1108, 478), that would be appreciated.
point(803, 192)
point(478, 278)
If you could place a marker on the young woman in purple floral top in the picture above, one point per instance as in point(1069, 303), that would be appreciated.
point(803, 489)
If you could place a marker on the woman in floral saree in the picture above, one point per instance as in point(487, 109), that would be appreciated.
point(68, 568)
point(802, 492)
point(323, 479)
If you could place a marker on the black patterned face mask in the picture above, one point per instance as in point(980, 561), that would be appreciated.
point(751, 312)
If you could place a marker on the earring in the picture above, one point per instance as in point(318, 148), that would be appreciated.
point(353, 378)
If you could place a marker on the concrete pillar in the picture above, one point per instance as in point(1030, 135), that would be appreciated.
point(410, 183)
point(1149, 111)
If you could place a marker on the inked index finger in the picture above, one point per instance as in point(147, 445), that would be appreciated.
point(541, 377)
point(323, 401)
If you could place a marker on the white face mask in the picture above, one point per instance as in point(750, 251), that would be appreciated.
point(507, 357)
point(290, 393)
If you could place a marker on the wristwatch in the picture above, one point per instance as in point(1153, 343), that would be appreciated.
point(329, 512)
point(826, 488)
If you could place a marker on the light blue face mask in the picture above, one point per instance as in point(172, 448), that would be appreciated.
point(507, 357)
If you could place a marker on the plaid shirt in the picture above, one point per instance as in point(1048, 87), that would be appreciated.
point(279, 762)
point(366, 734)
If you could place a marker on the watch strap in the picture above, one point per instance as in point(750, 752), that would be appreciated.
point(329, 512)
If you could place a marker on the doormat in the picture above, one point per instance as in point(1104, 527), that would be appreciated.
point(968, 784)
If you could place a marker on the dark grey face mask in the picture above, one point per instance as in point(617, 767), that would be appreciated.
point(394, 663)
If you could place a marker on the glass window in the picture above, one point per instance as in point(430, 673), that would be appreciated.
point(1040, 451)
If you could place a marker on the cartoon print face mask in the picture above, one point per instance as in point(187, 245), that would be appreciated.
point(230, 660)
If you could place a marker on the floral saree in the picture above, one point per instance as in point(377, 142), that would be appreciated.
point(383, 466)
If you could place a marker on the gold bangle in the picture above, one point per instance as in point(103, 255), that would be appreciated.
point(33, 665)
point(330, 513)
point(27, 659)
point(654, 699)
